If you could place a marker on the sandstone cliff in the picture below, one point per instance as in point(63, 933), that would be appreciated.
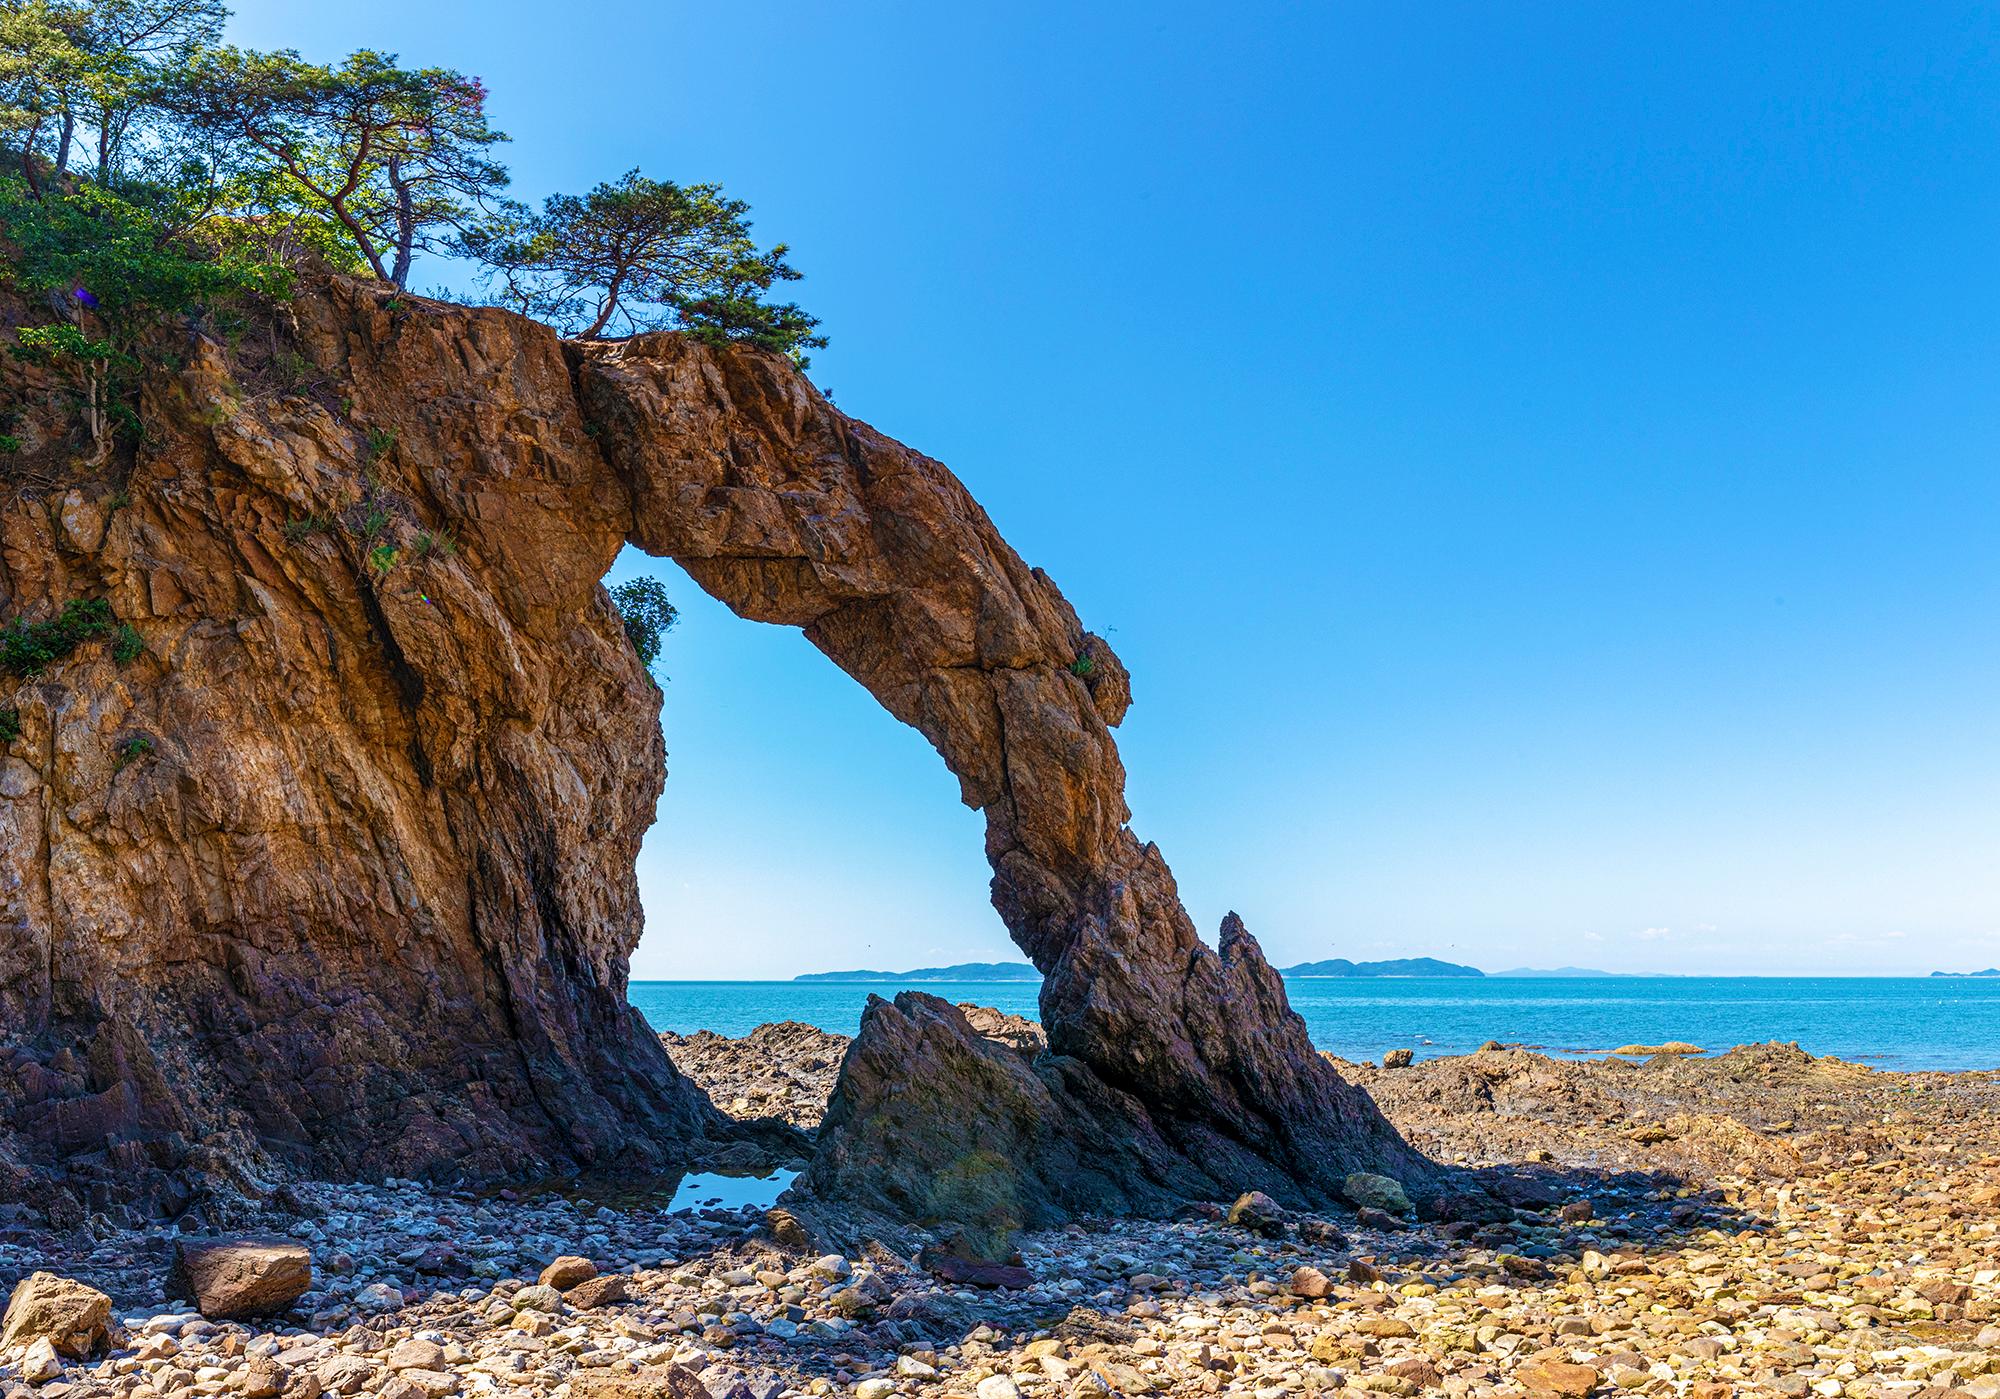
point(337, 874)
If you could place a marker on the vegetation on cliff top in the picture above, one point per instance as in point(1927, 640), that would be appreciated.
point(157, 173)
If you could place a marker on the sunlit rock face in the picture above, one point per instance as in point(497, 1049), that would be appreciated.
point(336, 875)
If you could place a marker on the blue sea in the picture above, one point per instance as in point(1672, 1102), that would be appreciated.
point(1899, 1023)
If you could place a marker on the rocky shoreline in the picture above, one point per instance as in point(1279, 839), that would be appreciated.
point(1759, 1222)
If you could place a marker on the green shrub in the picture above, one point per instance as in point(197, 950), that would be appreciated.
point(10, 725)
point(381, 442)
point(114, 266)
point(1083, 667)
point(436, 543)
point(647, 614)
point(299, 528)
point(29, 648)
point(9, 443)
point(131, 750)
point(382, 559)
point(126, 644)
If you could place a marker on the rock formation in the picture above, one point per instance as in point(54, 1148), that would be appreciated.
point(790, 512)
point(336, 873)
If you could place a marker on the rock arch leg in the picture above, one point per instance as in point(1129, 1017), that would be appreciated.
point(1175, 1069)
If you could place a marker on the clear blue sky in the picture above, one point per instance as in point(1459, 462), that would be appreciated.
point(1539, 462)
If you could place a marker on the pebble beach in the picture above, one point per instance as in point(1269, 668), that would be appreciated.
point(1758, 1222)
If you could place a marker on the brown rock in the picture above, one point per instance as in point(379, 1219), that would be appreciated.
point(237, 1278)
point(1310, 1282)
point(605, 1291)
point(1398, 1058)
point(651, 1382)
point(566, 1272)
point(1419, 1371)
point(1557, 1377)
point(262, 1378)
point(73, 1318)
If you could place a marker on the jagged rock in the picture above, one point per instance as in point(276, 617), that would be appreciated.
point(783, 1070)
point(366, 904)
point(75, 1319)
point(234, 1279)
point(1018, 1032)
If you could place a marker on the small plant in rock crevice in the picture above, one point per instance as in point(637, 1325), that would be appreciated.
point(132, 750)
point(441, 544)
point(304, 525)
point(29, 648)
point(126, 644)
point(1083, 667)
point(382, 559)
point(10, 725)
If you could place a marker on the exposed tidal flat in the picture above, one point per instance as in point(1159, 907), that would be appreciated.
point(1892, 1022)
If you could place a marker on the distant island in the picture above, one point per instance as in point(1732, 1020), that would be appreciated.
point(1401, 966)
point(963, 971)
point(1990, 971)
point(1557, 972)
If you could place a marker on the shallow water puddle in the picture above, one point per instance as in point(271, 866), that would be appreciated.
point(705, 1189)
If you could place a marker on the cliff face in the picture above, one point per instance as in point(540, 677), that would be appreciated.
point(365, 903)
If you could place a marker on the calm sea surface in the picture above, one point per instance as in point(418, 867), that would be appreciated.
point(1906, 1023)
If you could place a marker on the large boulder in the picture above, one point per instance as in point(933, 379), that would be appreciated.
point(74, 1318)
point(1368, 1191)
point(239, 1278)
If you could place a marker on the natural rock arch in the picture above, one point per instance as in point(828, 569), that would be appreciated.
point(1185, 1070)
